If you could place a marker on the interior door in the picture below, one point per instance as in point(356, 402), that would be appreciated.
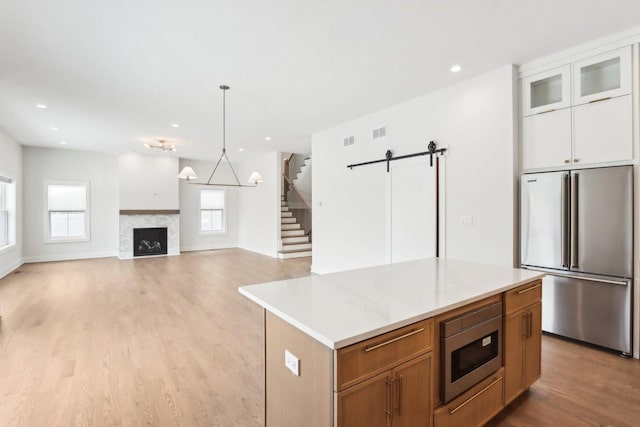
point(413, 209)
point(541, 215)
point(602, 221)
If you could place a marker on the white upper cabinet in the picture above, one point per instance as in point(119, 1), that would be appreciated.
point(547, 140)
point(580, 113)
point(547, 91)
point(603, 76)
point(603, 131)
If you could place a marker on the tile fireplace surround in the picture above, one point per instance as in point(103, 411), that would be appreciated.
point(130, 219)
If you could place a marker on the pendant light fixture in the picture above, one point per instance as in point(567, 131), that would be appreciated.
point(189, 174)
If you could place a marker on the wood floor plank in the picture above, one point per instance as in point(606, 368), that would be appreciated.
point(170, 342)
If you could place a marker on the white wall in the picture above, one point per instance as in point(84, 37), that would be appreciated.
point(11, 166)
point(191, 239)
point(259, 208)
point(351, 209)
point(101, 170)
point(148, 182)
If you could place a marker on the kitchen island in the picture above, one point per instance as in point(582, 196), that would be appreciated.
point(362, 347)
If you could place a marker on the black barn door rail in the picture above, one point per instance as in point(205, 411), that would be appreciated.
point(389, 156)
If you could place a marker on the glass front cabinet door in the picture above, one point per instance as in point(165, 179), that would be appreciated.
point(547, 91)
point(603, 76)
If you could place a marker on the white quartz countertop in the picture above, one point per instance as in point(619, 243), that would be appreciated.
point(340, 309)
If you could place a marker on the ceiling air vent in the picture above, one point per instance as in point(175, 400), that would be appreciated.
point(380, 132)
point(350, 140)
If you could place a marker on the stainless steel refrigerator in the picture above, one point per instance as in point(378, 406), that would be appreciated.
point(577, 226)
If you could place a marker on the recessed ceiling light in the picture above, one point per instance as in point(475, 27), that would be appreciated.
point(41, 106)
point(267, 138)
point(455, 68)
point(63, 142)
point(55, 129)
point(175, 125)
point(240, 149)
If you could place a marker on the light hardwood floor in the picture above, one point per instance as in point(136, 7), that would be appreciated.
point(170, 342)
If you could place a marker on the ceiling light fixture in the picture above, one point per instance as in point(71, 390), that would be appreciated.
point(240, 149)
point(189, 174)
point(41, 106)
point(63, 142)
point(175, 125)
point(163, 146)
point(267, 138)
point(455, 68)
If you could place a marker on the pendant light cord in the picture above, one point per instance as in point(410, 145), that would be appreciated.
point(224, 118)
point(224, 138)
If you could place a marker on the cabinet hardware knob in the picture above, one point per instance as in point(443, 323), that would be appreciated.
point(576, 160)
point(567, 161)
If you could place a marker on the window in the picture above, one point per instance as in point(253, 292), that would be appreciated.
point(7, 213)
point(4, 211)
point(67, 211)
point(212, 214)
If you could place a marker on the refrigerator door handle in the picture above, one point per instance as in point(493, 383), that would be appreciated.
point(574, 221)
point(564, 224)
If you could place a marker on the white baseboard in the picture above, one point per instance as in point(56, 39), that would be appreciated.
point(9, 268)
point(208, 247)
point(68, 257)
point(260, 251)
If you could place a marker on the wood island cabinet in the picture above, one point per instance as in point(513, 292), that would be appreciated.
point(523, 339)
point(397, 398)
point(392, 380)
point(400, 395)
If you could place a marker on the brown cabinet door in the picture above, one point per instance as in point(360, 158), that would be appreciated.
point(514, 335)
point(522, 350)
point(367, 404)
point(533, 345)
point(412, 393)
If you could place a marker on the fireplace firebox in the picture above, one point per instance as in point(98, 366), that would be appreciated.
point(149, 241)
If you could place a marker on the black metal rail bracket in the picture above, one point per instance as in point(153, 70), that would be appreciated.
point(388, 157)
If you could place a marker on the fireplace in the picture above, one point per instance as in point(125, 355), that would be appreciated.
point(149, 241)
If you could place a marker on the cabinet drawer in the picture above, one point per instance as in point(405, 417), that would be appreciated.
point(373, 356)
point(523, 296)
point(475, 407)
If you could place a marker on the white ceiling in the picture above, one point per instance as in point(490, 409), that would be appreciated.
point(118, 73)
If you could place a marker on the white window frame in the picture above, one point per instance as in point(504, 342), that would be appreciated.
point(10, 204)
point(224, 213)
point(87, 212)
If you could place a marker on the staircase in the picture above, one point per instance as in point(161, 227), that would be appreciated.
point(295, 244)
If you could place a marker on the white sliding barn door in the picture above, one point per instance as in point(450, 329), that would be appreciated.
point(412, 211)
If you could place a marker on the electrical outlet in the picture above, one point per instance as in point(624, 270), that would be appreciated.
point(292, 363)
